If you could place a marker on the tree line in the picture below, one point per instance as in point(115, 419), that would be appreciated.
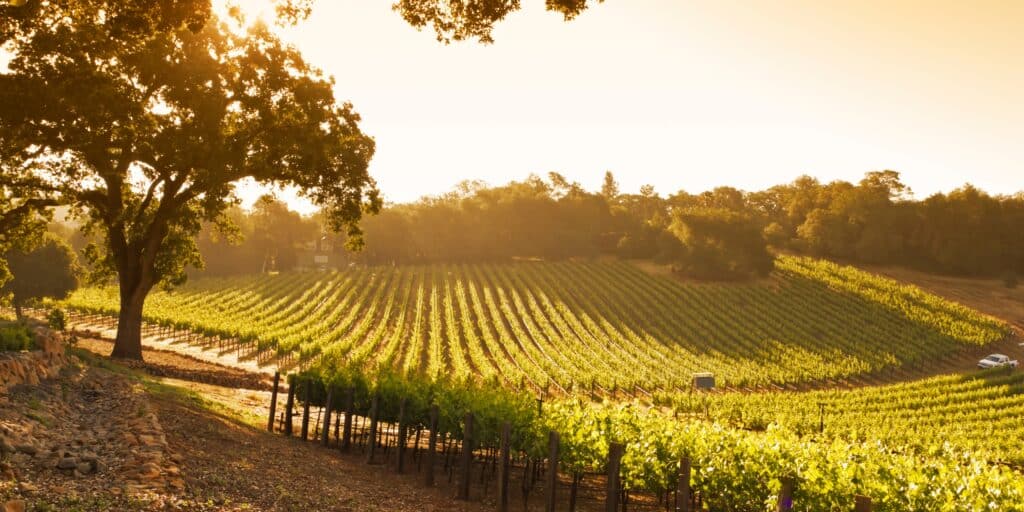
point(723, 233)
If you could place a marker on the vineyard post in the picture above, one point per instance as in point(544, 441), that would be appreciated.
point(305, 409)
point(346, 433)
point(821, 417)
point(327, 416)
point(273, 401)
point(503, 464)
point(374, 408)
point(467, 457)
point(431, 447)
point(552, 475)
point(862, 504)
point(615, 453)
point(683, 489)
point(785, 503)
point(289, 406)
point(402, 434)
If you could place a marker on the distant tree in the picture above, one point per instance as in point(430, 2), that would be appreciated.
point(48, 270)
point(279, 233)
point(142, 116)
point(610, 188)
point(23, 210)
point(721, 244)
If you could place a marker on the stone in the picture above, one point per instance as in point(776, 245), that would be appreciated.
point(5, 447)
point(67, 463)
point(85, 468)
point(14, 506)
point(7, 472)
point(149, 471)
point(27, 449)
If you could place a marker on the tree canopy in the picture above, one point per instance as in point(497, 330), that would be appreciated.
point(143, 116)
point(965, 232)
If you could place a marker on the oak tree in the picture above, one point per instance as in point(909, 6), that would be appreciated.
point(142, 116)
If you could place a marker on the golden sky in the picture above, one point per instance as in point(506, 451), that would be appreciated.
point(688, 94)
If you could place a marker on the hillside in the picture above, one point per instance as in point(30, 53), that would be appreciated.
point(574, 324)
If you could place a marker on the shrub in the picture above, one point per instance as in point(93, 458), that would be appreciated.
point(57, 320)
point(15, 337)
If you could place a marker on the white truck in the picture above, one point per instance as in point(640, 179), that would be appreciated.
point(997, 360)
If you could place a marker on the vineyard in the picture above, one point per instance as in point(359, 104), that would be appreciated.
point(979, 413)
point(420, 347)
point(575, 325)
point(726, 469)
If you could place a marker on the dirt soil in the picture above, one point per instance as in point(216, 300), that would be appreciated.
point(167, 363)
point(236, 467)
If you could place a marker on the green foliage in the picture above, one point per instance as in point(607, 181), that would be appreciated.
point(48, 270)
point(973, 413)
point(474, 19)
point(56, 319)
point(15, 337)
point(177, 108)
point(721, 244)
point(535, 325)
point(732, 469)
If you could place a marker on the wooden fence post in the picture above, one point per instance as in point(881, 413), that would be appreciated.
point(552, 476)
point(503, 464)
point(327, 416)
point(467, 457)
point(305, 410)
point(683, 488)
point(374, 407)
point(785, 503)
point(346, 433)
point(402, 434)
point(615, 453)
point(862, 504)
point(289, 407)
point(273, 402)
point(431, 446)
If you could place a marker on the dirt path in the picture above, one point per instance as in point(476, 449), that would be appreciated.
point(236, 467)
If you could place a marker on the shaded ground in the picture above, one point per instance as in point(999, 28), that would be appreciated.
point(236, 467)
point(170, 363)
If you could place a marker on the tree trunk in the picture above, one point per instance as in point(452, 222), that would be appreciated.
point(128, 344)
point(17, 310)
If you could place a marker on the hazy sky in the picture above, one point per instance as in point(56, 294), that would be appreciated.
point(688, 94)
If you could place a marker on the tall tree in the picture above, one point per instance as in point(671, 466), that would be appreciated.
point(610, 188)
point(142, 116)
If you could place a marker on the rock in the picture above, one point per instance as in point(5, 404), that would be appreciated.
point(14, 506)
point(149, 471)
point(5, 447)
point(27, 449)
point(67, 463)
point(7, 472)
point(86, 468)
point(177, 484)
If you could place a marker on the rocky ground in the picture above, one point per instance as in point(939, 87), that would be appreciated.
point(103, 436)
point(88, 436)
